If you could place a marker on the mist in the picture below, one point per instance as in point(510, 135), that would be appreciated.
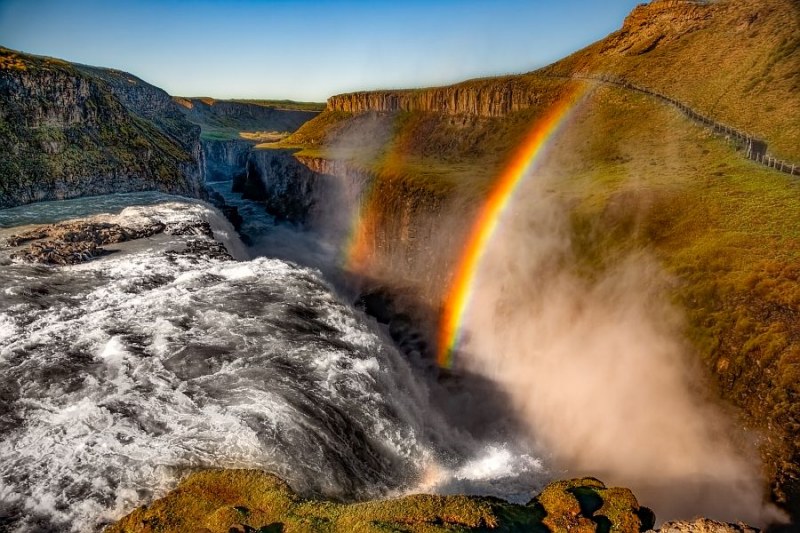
point(589, 375)
point(599, 370)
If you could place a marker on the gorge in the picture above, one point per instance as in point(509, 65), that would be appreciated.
point(628, 314)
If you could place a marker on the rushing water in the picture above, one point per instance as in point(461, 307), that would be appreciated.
point(56, 211)
point(119, 375)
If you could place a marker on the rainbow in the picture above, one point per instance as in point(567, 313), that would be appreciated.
point(357, 245)
point(523, 163)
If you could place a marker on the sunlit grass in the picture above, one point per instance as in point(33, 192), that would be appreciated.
point(227, 501)
point(639, 176)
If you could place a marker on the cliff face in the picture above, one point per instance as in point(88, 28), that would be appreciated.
point(225, 159)
point(148, 102)
point(66, 132)
point(494, 97)
point(224, 152)
point(281, 182)
point(399, 236)
point(398, 241)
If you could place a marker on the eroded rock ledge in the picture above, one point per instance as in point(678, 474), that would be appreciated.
point(227, 501)
point(74, 242)
point(491, 97)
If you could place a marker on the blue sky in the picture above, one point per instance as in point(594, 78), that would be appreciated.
point(307, 49)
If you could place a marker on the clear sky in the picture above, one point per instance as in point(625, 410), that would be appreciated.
point(307, 49)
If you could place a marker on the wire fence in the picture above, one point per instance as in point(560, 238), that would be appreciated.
point(752, 147)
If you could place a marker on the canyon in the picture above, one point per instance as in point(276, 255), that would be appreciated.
point(393, 179)
point(423, 158)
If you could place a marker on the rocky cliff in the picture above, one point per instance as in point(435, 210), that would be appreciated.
point(491, 97)
point(148, 102)
point(281, 182)
point(68, 131)
point(225, 159)
point(396, 227)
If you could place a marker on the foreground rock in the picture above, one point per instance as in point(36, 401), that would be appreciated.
point(251, 501)
point(704, 525)
point(74, 242)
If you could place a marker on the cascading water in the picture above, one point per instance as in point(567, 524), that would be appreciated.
point(120, 374)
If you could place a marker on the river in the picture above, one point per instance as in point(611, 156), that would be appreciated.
point(121, 374)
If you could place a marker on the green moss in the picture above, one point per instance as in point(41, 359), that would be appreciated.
point(243, 500)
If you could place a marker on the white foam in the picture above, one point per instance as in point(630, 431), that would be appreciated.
point(495, 470)
point(150, 365)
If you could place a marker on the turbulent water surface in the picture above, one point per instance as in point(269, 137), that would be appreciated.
point(119, 375)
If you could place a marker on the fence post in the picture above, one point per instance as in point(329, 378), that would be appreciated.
point(754, 149)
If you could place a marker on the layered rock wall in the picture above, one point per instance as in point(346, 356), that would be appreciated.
point(281, 182)
point(495, 97)
point(225, 159)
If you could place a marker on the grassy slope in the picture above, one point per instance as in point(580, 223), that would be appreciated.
point(642, 175)
point(728, 229)
point(739, 63)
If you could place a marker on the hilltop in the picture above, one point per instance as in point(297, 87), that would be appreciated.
point(735, 60)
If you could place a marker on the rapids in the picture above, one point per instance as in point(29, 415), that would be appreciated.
point(119, 375)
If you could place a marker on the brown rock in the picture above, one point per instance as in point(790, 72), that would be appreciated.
point(704, 525)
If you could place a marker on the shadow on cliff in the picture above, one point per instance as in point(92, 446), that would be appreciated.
point(469, 402)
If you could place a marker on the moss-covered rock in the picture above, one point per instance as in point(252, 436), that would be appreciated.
point(224, 501)
point(586, 504)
